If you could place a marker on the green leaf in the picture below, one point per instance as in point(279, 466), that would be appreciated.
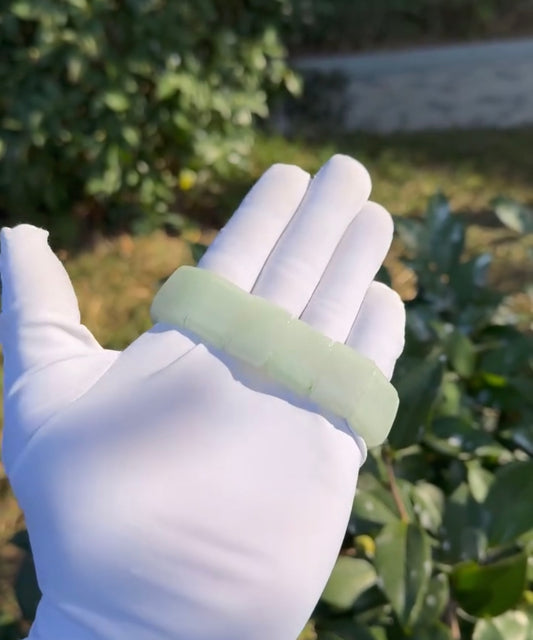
point(116, 101)
point(450, 397)
point(469, 276)
point(435, 601)
point(350, 577)
point(513, 215)
point(293, 83)
point(446, 235)
point(511, 491)
point(479, 480)
point(75, 67)
point(170, 83)
point(522, 436)
point(461, 353)
point(461, 535)
point(509, 353)
point(437, 214)
point(428, 503)
point(452, 436)
point(374, 501)
point(412, 463)
point(372, 507)
point(418, 388)
point(411, 232)
point(489, 589)
point(403, 561)
point(420, 334)
point(513, 625)
point(25, 10)
point(131, 135)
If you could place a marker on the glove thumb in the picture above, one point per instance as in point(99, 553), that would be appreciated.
point(40, 314)
point(40, 326)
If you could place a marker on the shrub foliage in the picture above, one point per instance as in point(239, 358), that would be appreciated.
point(440, 543)
point(108, 108)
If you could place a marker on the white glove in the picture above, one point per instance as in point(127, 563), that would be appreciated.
point(171, 492)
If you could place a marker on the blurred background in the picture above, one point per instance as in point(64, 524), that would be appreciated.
point(131, 129)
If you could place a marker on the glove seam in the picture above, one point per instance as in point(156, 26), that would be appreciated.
point(39, 367)
point(16, 463)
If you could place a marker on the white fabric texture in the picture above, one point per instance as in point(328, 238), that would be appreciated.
point(171, 492)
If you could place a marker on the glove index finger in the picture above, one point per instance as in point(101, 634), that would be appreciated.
point(242, 247)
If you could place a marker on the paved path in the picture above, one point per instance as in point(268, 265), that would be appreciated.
point(472, 85)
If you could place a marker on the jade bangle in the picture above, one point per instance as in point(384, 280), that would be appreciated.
point(330, 374)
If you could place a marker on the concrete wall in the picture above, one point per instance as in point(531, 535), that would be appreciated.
point(472, 85)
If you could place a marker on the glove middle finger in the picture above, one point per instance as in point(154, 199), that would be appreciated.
point(297, 262)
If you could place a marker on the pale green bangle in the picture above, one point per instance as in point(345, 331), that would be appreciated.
point(331, 374)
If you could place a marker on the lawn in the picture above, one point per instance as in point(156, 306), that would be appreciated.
point(117, 278)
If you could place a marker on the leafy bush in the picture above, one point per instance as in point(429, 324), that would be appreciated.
point(442, 525)
point(108, 108)
point(347, 25)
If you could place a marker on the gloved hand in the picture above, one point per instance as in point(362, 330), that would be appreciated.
point(170, 491)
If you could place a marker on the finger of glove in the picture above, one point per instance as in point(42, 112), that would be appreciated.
point(40, 314)
point(241, 248)
point(379, 329)
point(340, 292)
point(299, 259)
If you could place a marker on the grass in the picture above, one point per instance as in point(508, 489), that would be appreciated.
point(470, 167)
point(116, 279)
